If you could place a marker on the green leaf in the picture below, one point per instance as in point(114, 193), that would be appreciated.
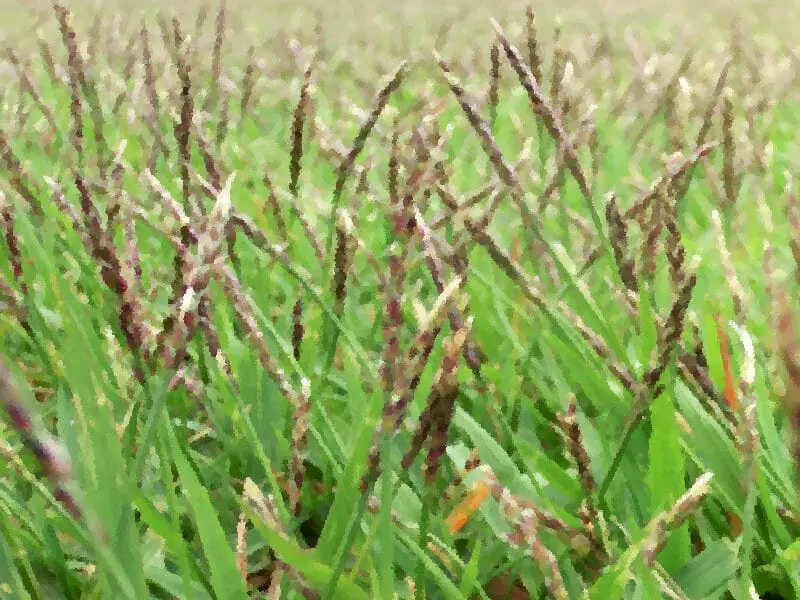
point(56, 559)
point(10, 580)
point(446, 585)
point(712, 446)
point(304, 561)
point(493, 454)
point(666, 475)
point(470, 575)
point(172, 583)
point(709, 571)
point(348, 488)
point(225, 578)
point(100, 464)
point(384, 557)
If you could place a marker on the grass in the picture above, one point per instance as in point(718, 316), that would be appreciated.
point(510, 319)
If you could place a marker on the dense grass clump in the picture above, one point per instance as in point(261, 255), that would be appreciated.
point(282, 318)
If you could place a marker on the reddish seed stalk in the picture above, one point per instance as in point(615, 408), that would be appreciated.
point(248, 82)
point(651, 248)
point(549, 115)
point(274, 205)
point(183, 128)
point(676, 252)
point(506, 171)
point(658, 102)
point(494, 84)
point(216, 54)
point(47, 60)
point(298, 123)
point(94, 38)
point(379, 104)
point(408, 376)
point(51, 457)
point(618, 235)
point(127, 73)
point(79, 81)
point(729, 176)
point(341, 262)
point(32, 90)
point(434, 423)
point(223, 121)
point(472, 353)
point(18, 176)
point(101, 247)
point(642, 204)
point(12, 242)
point(534, 59)
point(297, 327)
point(682, 185)
point(149, 73)
point(577, 450)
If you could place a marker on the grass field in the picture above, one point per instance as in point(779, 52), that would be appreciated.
point(297, 302)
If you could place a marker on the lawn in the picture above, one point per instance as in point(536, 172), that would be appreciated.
point(428, 302)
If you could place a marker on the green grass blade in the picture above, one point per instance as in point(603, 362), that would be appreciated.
point(225, 578)
point(666, 475)
point(304, 561)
